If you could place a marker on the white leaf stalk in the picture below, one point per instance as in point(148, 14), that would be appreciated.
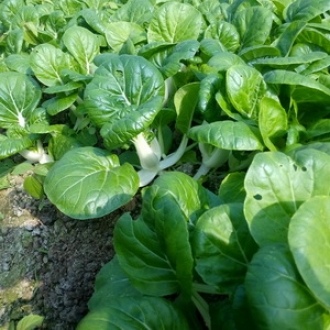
point(150, 156)
point(213, 158)
point(37, 156)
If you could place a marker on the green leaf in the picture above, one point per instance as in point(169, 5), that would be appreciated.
point(174, 22)
point(232, 188)
point(168, 269)
point(12, 146)
point(47, 62)
point(245, 88)
point(273, 121)
point(280, 77)
point(288, 37)
point(135, 313)
point(185, 100)
point(306, 10)
point(83, 45)
point(125, 94)
point(309, 234)
point(254, 25)
point(117, 33)
point(224, 61)
point(251, 53)
point(30, 322)
point(19, 96)
point(227, 135)
point(34, 187)
point(59, 103)
point(226, 33)
point(135, 11)
point(278, 62)
point(276, 186)
point(223, 247)
point(111, 283)
point(89, 183)
point(274, 287)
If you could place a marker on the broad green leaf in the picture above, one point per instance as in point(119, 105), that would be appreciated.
point(321, 127)
point(277, 296)
point(177, 185)
point(283, 77)
point(34, 187)
point(19, 96)
point(278, 62)
point(111, 283)
point(245, 88)
point(125, 94)
point(14, 41)
point(59, 103)
point(168, 269)
point(117, 33)
point(11, 146)
point(89, 183)
point(224, 61)
point(253, 25)
point(68, 87)
point(232, 189)
point(317, 66)
point(314, 37)
point(47, 62)
point(306, 10)
point(227, 135)
point(169, 58)
point(30, 322)
point(135, 11)
point(288, 37)
point(309, 238)
point(251, 53)
point(19, 63)
point(83, 46)
point(135, 313)
point(185, 100)
point(8, 9)
point(174, 22)
point(223, 246)
point(273, 121)
point(276, 186)
point(226, 33)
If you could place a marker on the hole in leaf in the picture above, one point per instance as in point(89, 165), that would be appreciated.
point(304, 169)
point(257, 197)
point(295, 167)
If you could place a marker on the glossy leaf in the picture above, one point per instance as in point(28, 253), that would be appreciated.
point(232, 188)
point(174, 22)
point(185, 100)
point(245, 88)
point(111, 283)
point(306, 10)
point(117, 33)
point(227, 135)
point(254, 25)
point(47, 62)
point(309, 235)
point(274, 288)
point(135, 313)
point(226, 33)
point(223, 246)
point(19, 96)
point(273, 121)
point(276, 186)
point(89, 183)
point(126, 93)
point(83, 45)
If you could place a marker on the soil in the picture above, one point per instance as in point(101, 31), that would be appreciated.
point(48, 262)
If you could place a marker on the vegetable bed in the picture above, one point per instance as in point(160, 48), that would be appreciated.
point(105, 99)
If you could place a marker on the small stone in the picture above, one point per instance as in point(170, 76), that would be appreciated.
point(45, 260)
point(30, 224)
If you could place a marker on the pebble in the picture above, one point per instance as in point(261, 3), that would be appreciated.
point(6, 267)
point(30, 224)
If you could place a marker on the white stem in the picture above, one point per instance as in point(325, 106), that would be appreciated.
point(173, 158)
